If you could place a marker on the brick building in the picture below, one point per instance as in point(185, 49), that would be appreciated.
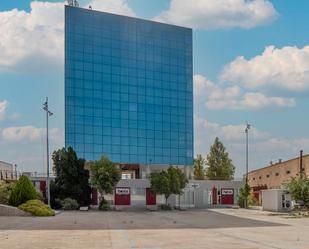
point(275, 175)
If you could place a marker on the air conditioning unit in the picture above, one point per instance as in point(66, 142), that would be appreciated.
point(287, 203)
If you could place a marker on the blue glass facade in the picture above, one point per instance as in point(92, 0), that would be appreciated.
point(128, 88)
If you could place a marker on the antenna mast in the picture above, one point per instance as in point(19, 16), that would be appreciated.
point(73, 3)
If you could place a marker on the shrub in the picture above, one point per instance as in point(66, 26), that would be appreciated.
point(37, 208)
point(165, 207)
point(104, 205)
point(39, 196)
point(22, 192)
point(5, 192)
point(69, 204)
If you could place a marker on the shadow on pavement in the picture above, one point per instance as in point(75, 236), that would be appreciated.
point(92, 220)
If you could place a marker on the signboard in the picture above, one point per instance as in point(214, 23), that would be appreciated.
point(193, 185)
point(122, 191)
point(227, 191)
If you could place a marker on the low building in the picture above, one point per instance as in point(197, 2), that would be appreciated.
point(136, 194)
point(276, 175)
point(7, 171)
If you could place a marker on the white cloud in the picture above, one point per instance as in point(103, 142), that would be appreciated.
point(30, 133)
point(35, 39)
point(36, 36)
point(215, 14)
point(218, 97)
point(227, 132)
point(286, 68)
point(3, 107)
point(22, 133)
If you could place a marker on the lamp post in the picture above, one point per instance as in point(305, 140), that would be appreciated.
point(48, 114)
point(247, 155)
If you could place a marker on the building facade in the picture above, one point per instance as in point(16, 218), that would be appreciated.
point(128, 90)
point(276, 175)
point(136, 194)
point(8, 171)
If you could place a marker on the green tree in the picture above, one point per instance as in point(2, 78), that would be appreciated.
point(104, 175)
point(220, 166)
point(244, 194)
point(160, 184)
point(72, 180)
point(199, 171)
point(23, 191)
point(299, 189)
point(171, 181)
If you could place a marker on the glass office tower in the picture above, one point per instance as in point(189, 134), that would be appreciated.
point(128, 89)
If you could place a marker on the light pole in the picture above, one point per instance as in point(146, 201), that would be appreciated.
point(48, 114)
point(247, 155)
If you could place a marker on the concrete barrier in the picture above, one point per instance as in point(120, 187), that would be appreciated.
point(11, 211)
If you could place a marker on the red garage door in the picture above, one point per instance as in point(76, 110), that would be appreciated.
point(122, 196)
point(150, 197)
point(227, 196)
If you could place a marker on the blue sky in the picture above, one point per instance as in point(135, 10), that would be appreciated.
point(251, 63)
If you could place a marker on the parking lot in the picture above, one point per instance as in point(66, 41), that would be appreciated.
point(214, 229)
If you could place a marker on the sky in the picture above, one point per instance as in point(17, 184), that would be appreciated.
point(251, 64)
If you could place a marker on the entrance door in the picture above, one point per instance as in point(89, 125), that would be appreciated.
point(150, 197)
point(122, 196)
point(227, 196)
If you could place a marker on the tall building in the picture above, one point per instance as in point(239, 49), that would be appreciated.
point(128, 90)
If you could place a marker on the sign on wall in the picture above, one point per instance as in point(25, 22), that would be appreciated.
point(122, 191)
point(227, 191)
point(194, 185)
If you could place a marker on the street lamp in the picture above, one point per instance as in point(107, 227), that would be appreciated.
point(247, 152)
point(247, 144)
point(48, 114)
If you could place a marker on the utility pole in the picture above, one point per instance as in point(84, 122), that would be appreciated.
point(48, 114)
point(301, 169)
point(247, 157)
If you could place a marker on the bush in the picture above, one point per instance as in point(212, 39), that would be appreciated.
point(37, 208)
point(5, 192)
point(165, 207)
point(69, 204)
point(104, 205)
point(22, 192)
point(39, 196)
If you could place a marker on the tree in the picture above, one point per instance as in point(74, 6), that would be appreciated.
point(220, 166)
point(160, 184)
point(244, 194)
point(199, 171)
point(22, 191)
point(171, 181)
point(72, 180)
point(104, 175)
point(299, 189)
